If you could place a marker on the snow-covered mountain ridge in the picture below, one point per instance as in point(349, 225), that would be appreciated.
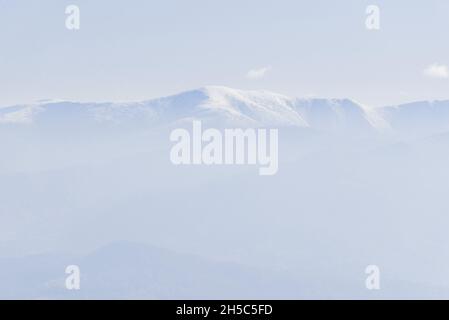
point(225, 106)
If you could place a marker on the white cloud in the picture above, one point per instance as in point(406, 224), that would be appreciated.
point(436, 70)
point(258, 73)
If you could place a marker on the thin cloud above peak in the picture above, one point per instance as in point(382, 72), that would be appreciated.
point(258, 73)
point(436, 70)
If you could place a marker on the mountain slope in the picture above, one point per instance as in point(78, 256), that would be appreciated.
point(225, 107)
point(338, 115)
point(419, 118)
point(216, 105)
point(125, 270)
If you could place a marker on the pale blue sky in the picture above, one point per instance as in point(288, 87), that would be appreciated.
point(139, 49)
